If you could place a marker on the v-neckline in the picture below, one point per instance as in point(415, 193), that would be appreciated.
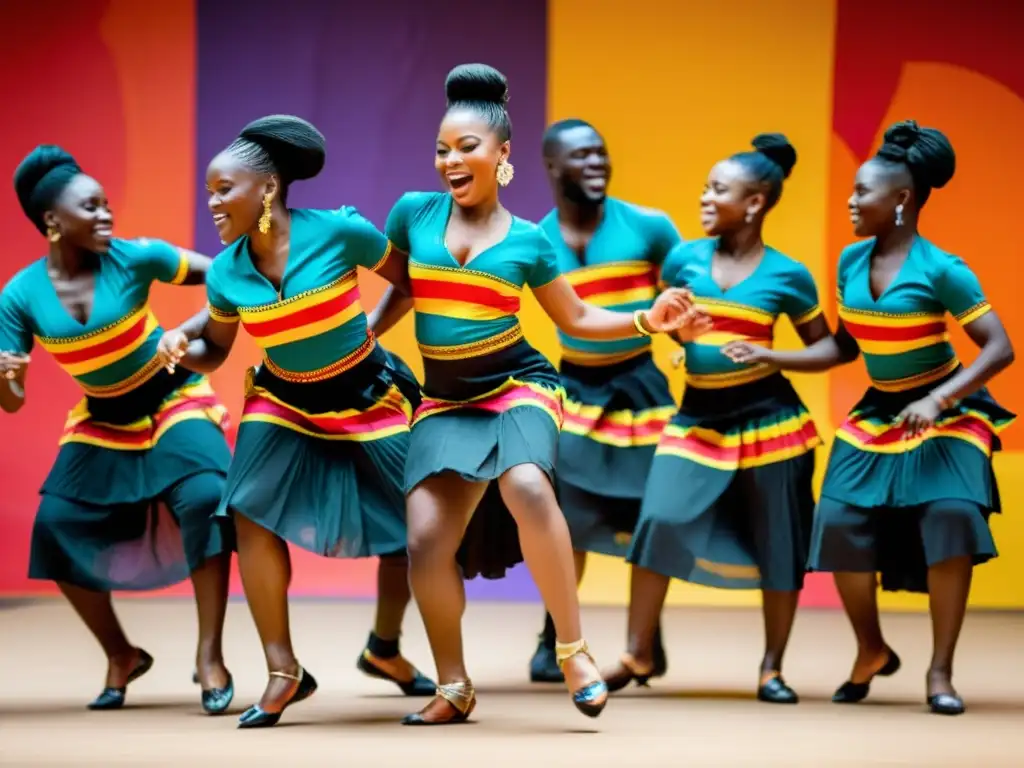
point(581, 256)
point(444, 237)
point(711, 269)
point(279, 292)
point(97, 273)
point(896, 278)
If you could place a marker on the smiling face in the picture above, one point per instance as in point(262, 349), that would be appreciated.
point(728, 199)
point(236, 196)
point(468, 153)
point(878, 189)
point(82, 215)
point(581, 167)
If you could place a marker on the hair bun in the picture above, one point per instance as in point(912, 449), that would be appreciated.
point(297, 149)
point(776, 147)
point(41, 177)
point(925, 151)
point(476, 83)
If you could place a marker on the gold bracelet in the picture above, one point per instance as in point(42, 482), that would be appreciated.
point(637, 321)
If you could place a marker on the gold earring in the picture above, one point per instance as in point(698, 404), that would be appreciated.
point(52, 234)
point(505, 172)
point(265, 218)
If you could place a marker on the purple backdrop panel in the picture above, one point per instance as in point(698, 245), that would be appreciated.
point(371, 77)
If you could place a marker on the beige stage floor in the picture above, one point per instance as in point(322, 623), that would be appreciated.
point(702, 714)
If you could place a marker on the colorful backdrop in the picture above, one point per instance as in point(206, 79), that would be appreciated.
point(144, 95)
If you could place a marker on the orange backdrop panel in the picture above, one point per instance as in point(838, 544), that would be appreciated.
point(960, 71)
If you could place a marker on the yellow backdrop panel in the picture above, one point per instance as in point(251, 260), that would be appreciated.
point(674, 86)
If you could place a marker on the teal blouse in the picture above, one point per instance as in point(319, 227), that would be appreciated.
point(314, 328)
point(619, 270)
point(466, 311)
point(745, 312)
point(902, 334)
point(114, 350)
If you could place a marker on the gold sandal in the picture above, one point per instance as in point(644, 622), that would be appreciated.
point(592, 697)
point(460, 696)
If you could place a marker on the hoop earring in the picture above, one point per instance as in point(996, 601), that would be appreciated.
point(52, 235)
point(899, 215)
point(265, 218)
point(504, 173)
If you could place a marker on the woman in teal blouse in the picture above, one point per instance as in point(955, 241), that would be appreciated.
point(129, 501)
point(728, 502)
point(492, 404)
point(909, 485)
point(325, 427)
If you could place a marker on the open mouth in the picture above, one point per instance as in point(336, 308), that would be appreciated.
point(459, 180)
point(104, 231)
point(219, 219)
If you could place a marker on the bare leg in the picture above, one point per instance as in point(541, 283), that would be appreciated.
point(858, 591)
point(438, 511)
point(949, 585)
point(265, 567)
point(383, 652)
point(779, 610)
point(97, 611)
point(647, 592)
point(210, 583)
point(547, 549)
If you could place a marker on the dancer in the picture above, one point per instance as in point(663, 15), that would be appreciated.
point(129, 501)
point(492, 405)
point(325, 426)
point(728, 501)
point(617, 400)
point(909, 485)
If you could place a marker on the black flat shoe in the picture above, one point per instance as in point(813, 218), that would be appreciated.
point(420, 685)
point(775, 691)
point(946, 704)
point(629, 671)
point(113, 698)
point(217, 700)
point(256, 717)
point(544, 665)
point(851, 693)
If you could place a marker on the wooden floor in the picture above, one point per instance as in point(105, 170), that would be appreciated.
point(702, 714)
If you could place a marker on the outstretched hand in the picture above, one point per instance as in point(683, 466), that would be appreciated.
point(172, 348)
point(745, 352)
point(12, 364)
point(669, 311)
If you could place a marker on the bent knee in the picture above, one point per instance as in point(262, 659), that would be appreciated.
point(198, 495)
point(526, 489)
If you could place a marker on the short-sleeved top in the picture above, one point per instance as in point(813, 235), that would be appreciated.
point(315, 327)
point(114, 351)
point(747, 311)
point(466, 311)
point(618, 270)
point(903, 334)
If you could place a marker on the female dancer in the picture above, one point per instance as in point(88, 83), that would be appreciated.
point(617, 400)
point(909, 485)
point(728, 502)
point(325, 427)
point(493, 406)
point(129, 501)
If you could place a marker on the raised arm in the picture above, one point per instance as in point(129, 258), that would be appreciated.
point(672, 310)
